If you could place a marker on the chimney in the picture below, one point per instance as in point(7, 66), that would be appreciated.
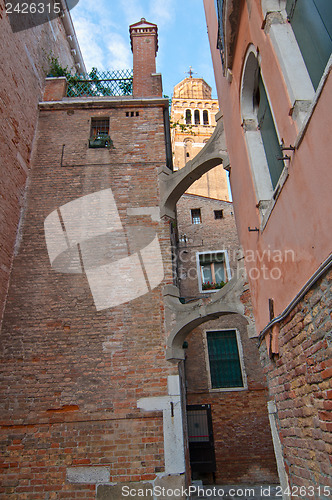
point(144, 45)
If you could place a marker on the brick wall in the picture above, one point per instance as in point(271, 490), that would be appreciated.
point(23, 61)
point(73, 375)
point(242, 437)
point(299, 381)
point(211, 234)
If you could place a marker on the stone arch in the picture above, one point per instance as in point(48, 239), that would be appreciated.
point(182, 319)
point(174, 184)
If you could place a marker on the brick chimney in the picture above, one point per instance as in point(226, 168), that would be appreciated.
point(144, 45)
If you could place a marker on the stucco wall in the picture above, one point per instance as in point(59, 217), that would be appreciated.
point(296, 228)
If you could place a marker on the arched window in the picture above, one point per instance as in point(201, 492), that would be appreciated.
point(205, 117)
point(311, 21)
point(188, 116)
point(268, 132)
point(260, 131)
point(197, 118)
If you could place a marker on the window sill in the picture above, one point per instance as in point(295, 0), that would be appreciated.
point(313, 104)
point(228, 389)
point(266, 211)
point(212, 290)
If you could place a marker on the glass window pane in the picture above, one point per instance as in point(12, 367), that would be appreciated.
point(311, 21)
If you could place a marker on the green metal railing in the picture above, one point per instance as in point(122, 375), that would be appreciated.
point(99, 83)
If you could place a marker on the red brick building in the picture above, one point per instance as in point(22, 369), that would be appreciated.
point(88, 397)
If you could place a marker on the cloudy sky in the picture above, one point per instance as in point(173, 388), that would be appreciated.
point(102, 30)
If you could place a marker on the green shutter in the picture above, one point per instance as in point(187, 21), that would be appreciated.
point(269, 136)
point(311, 21)
point(225, 367)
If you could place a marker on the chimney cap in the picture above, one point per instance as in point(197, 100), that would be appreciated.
point(143, 27)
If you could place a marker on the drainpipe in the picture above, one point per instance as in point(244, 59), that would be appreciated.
point(72, 38)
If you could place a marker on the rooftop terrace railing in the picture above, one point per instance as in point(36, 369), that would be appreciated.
point(99, 83)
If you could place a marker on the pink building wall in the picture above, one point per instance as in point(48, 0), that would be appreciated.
point(297, 229)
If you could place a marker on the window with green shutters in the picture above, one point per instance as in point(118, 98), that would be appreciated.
point(311, 21)
point(269, 135)
point(224, 359)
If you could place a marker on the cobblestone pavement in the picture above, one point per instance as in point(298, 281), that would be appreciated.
point(236, 492)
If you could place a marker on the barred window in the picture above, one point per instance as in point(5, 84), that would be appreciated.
point(196, 217)
point(100, 126)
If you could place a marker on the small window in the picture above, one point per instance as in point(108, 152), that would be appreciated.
point(188, 116)
point(213, 270)
point(196, 217)
point(224, 359)
point(205, 117)
point(188, 155)
point(99, 135)
point(218, 214)
point(197, 118)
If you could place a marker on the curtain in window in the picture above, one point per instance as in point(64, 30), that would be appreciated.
point(224, 359)
point(311, 21)
point(219, 271)
point(207, 274)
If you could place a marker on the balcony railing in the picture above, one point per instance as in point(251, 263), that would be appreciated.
point(98, 84)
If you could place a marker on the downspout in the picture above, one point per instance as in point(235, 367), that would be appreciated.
point(72, 38)
point(315, 277)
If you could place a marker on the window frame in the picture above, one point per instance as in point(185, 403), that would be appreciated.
point(98, 130)
point(260, 171)
point(228, 272)
point(188, 113)
point(219, 212)
point(300, 89)
point(206, 121)
point(241, 360)
point(198, 210)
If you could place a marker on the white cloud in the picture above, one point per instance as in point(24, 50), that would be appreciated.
point(93, 53)
point(119, 53)
point(162, 11)
point(133, 10)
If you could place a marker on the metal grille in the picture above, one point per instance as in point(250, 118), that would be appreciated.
point(98, 84)
point(196, 216)
point(198, 428)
